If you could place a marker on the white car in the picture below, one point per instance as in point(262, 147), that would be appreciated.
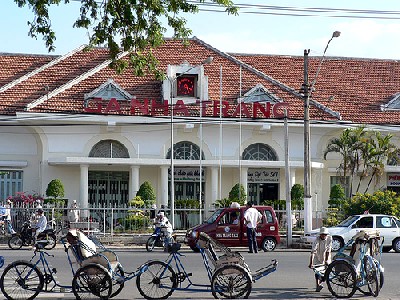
point(388, 227)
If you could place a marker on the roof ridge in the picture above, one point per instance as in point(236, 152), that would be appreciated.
point(40, 69)
point(266, 77)
point(71, 83)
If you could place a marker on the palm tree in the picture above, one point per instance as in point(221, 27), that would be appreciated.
point(347, 145)
point(382, 150)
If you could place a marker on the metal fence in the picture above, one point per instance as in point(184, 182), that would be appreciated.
point(126, 220)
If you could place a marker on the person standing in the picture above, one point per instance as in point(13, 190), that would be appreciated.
point(8, 217)
point(251, 218)
point(321, 254)
point(73, 213)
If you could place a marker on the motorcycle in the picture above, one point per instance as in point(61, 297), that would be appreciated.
point(157, 239)
point(46, 238)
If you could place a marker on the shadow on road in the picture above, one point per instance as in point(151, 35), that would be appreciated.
point(289, 293)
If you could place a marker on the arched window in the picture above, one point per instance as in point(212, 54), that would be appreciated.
point(109, 149)
point(259, 152)
point(186, 150)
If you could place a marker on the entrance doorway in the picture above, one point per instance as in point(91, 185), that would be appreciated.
point(259, 192)
point(108, 189)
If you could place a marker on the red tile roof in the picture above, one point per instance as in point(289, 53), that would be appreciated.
point(358, 86)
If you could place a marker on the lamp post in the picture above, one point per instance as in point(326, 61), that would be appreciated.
point(172, 81)
point(308, 89)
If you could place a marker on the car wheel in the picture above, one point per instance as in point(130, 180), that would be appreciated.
point(268, 244)
point(396, 245)
point(337, 243)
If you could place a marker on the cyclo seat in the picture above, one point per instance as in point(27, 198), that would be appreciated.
point(85, 251)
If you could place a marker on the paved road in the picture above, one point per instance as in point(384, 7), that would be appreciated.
point(292, 280)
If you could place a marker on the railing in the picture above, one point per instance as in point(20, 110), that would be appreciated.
point(129, 220)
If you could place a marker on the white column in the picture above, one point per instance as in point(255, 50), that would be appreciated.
point(164, 186)
point(134, 181)
point(214, 185)
point(292, 176)
point(83, 189)
point(243, 179)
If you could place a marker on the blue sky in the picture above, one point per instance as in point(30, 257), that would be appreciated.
point(367, 35)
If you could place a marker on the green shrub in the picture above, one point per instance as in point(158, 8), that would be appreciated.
point(333, 216)
point(136, 222)
point(136, 202)
point(297, 196)
point(381, 202)
point(55, 189)
point(146, 192)
point(188, 203)
point(337, 196)
point(237, 194)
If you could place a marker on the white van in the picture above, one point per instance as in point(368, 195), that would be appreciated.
point(388, 227)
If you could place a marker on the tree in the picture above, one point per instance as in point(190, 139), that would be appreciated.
point(347, 145)
point(382, 152)
point(55, 189)
point(147, 193)
point(123, 25)
point(337, 196)
point(237, 194)
point(297, 195)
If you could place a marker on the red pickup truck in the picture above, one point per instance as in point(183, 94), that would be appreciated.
point(227, 226)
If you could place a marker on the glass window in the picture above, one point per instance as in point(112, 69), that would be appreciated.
point(268, 217)
point(10, 183)
point(186, 150)
point(109, 149)
point(259, 151)
point(365, 222)
point(385, 222)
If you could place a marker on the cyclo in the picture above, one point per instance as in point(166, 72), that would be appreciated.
point(101, 276)
point(360, 270)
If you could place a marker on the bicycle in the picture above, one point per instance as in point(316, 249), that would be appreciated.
point(229, 275)
point(345, 275)
point(23, 279)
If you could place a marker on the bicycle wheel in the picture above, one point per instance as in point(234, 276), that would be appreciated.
point(364, 289)
point(157, 281)
point(117, 281)
point(51, 242)
point(371, 275)
point(231, 281)
point(151, 242)
point(92, 282)
point(340, 277)
point(15, 242)
point(21, 280)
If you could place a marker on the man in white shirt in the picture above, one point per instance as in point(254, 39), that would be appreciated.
point(41, 223)
point(251, 218)
point(321, 254)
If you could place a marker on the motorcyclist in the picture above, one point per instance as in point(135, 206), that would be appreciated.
point(166, 227)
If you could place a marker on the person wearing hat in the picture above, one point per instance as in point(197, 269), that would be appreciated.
point(251, 218)
point(166, 227)
point(73, 213)
point(41, 223)
point(321, 254)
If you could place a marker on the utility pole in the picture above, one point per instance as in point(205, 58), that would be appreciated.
point(307, 160)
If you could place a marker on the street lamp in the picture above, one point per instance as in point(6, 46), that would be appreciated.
point(172, 81)
point(307, 88)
